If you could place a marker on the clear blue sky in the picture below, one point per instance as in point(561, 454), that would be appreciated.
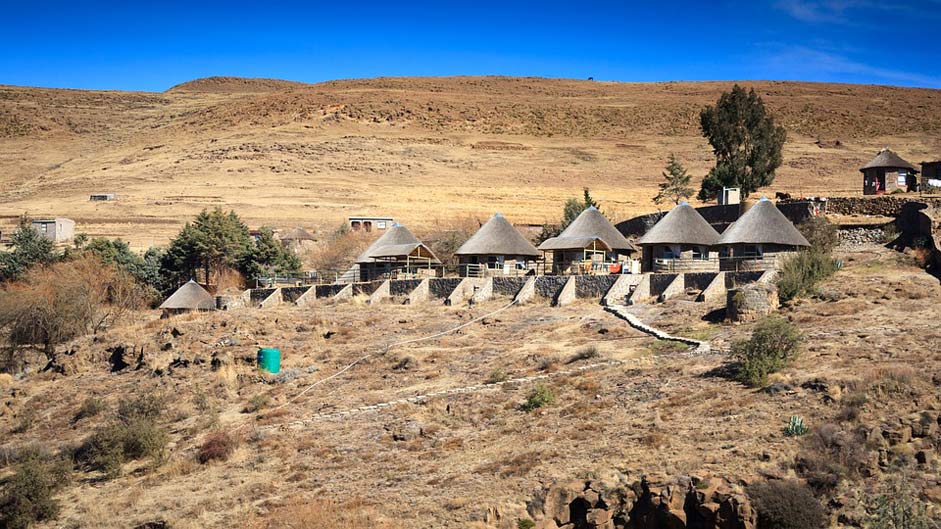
point(140, 45)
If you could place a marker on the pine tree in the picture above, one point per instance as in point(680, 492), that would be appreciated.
point(676, 184)
point(746, 142)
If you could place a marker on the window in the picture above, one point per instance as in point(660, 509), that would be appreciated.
point(668, 252)
point(752, 251)
point(700, 253)
point(903, 177)
point(381, 225)
point(44, 227)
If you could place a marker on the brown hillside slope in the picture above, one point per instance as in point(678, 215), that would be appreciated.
point(420, 149)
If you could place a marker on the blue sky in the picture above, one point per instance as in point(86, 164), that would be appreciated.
point(153, 45)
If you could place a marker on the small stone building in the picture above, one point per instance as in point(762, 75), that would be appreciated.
point(681, 241)
point(497, 249)
point(56, 230)
point(930, 175)
point(188, 298)
point(397, 252)
point(589, 245)
point(888, 172)
point(760, 239)
point(297, 239)
point(365, 223)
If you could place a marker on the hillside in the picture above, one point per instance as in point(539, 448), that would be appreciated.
point(425, 150)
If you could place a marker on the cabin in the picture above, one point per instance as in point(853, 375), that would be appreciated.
point(191, 297)
point(368, 224)
point(888, 172)
point(56, 230)
point(397, 254)
point(681, 241)
point(102, 197)
point(761, 239)
point(930, 176)
point(296, 239)
point(590, 245)
point(497, 249)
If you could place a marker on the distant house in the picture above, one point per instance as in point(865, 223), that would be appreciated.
point(397, 253)
point(102, 197)
point(56, 230)
point(930, 175)
point(496, 249)
point(590, 244)
point(296, 239)
point(681, 241)
point(888, 172)
point(370, 223)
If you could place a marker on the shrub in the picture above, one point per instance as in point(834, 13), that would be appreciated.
point(820, 233)
point(898, 507)
point(496, 376)
point(800, 274)
point(525, 523)
point(217, 446)
point(29, 495)
point(829, 455)
point(90, 407)
point(585, 353)
point(256, 403)
point(773, 344)
point(796, 427)
point(786, 505)
point(134, 433)
point(540, 396)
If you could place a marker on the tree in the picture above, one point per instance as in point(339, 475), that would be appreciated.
point(30, 248)
point(746, 142)
point(214, 241)
point(676, 185)
point(268, 257)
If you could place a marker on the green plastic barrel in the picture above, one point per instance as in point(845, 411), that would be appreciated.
point(269, 359)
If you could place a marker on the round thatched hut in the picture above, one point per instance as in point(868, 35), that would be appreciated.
point(496, 249)
point(188, 298)
point(397, 252)
point(888, 172)
point(760, 239)
point(590, 244)
point(681, 241)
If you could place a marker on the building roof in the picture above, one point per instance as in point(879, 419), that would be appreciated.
point(763, 223)
point(397, 241)
point(497, 237)
point(589, 226)
point(681, 225)
point(297, 234)
point(190, 296)
point(888, 160)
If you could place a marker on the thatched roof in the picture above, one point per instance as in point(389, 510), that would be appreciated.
point(190, 296)
point(887, 159)
point(763, 224)
point(589, 226)
point(397, 241)
point(497, 237)
point(682, 225)
point(297, 234)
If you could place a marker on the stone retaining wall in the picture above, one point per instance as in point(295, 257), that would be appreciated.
point(508, 286)
point(549, 286)
point(733, 279)
point(593, 286)
point(403, 287)
point(660, 282)
point(441, 287)
point(882, 206)
point(257, 295)
point(290, 294)
point(365, 289)
point(698, 280)
point(328, 291)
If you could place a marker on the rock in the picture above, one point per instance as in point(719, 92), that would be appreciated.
point(931, 495)
point(900, 435)
point(406, 431)
point(752, 301)
point(923, 457)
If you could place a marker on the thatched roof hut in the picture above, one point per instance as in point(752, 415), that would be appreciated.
point(397, 242)
point(190, 296)
point(886, 159)
point(763, 223)
point(590, 226)
point(682, 225)
point(498, 237)
point(297, 234)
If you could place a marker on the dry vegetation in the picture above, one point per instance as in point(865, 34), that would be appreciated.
point(240, 452)
point(419, 149)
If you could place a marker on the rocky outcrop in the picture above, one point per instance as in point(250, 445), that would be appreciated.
point(882, 206)
point(643, 504)
point(752, 302)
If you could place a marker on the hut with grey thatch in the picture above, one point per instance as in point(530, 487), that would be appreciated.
point(888, 172)
point(496, 249)
point(681, 241)
point(760, 239)
point(188, 298)
point(590, 244)
point(396, 253)
point(297, 239)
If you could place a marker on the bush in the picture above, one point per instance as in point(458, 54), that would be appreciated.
point(540, 396)
point(90, 407)
point(525, 523)
point(585, 353)
point(820, 233)
point(898, 507)
point(796, 427)
point(773, 344)
point(134, 433)
point(829, 455)
point(496, 376)
point(217, 446)
point(800, 274)
point(786, 505)
point(29, 495)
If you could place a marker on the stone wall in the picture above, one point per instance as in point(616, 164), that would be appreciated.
point(441, 287)
point(507, 286)
point(698, 280)
point(257, 295)
point(660, 282)
point(328, 291)
point(290, 294)
point(882, 206)
point(593, 286)
point(734, 279)
point(366, 289)
point(549, 286)
point(403, 287)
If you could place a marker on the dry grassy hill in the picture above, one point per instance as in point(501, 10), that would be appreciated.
point(424, 150)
